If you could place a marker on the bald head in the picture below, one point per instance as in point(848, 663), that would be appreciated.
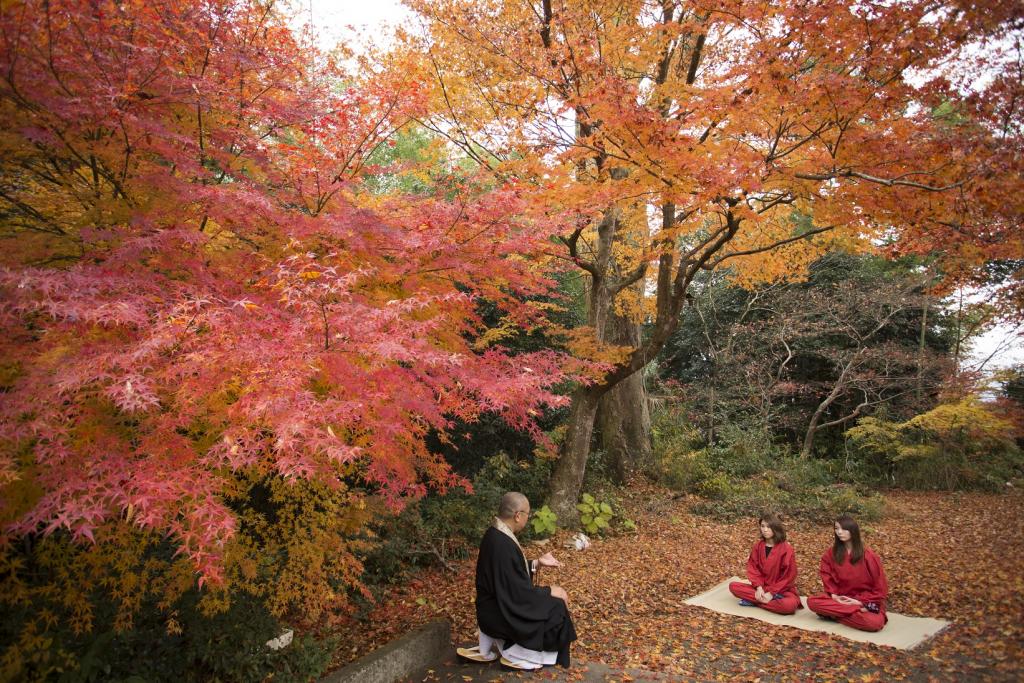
point(511, 503)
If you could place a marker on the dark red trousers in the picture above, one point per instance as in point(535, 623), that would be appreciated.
point(787, 605)
point(850, 615)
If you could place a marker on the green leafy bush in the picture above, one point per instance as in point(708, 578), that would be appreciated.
point(680, 461)
point(594, 515)
point(745, 473)
point(544, 522)
point(683, 471)
point(953, 446)
point(228, 647)
point(683, 462)
point(750, 497)
point(743, 452)
point(718, 486)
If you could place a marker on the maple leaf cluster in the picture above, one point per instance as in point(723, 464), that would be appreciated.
point(191, 287)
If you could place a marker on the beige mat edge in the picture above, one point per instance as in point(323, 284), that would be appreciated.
point(902, 632)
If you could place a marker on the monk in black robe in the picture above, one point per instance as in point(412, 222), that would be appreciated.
point(529, 625)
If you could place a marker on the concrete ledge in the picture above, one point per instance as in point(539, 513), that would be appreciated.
point(400, 658)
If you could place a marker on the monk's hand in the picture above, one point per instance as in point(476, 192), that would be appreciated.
point(765, 596)
point(559, 592)
point(548, 560)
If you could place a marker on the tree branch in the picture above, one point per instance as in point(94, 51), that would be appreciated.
point(572, 243)
point(889, 182)
point(630, 279)
point(748, 252)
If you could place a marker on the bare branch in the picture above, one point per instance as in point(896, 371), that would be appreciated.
point(748, 252)
point(889, 182)
point(572, 243)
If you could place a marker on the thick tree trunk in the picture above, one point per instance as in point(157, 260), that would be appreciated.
point(624, 422)
point(623, 417)
point(673, 282)
point(567, 479)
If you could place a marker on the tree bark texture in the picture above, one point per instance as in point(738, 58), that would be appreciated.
point(623, 416)
point(567, 479)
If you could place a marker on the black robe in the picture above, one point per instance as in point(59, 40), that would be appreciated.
point(510, 607)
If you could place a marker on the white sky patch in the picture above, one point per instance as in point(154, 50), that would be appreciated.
point(355, 22)
point(998, 347)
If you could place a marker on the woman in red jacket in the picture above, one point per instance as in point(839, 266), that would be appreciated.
point(855, 584)
point(771, 569)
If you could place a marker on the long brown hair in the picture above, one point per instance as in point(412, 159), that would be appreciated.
point(856, 547)
point(775, 524)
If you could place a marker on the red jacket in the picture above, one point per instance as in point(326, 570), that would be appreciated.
point(864, 581)
point(776, 573)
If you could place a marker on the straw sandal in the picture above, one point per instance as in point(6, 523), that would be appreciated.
point(512, 666)
point(473, 654)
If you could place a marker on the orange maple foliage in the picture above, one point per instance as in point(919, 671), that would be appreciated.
point(739, 135)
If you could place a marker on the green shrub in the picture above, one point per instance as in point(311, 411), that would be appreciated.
point(501, 474)
point(228, 647)
point(684, 463)
point(953, 446)
point(750, 497)
point(594, 515)
point(745, 473)
point(717, 487)
point(679, 460)
point(743, 452)
point(800, 474)
point(544, 522)
point(683, 471)
point(796, 487)
point(848, 500)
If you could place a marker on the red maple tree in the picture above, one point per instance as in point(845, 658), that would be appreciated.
point(191, 288)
